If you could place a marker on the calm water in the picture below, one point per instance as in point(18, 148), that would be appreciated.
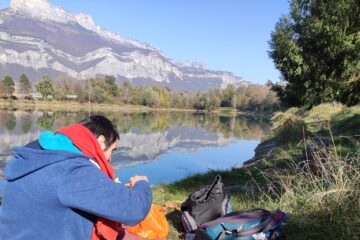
point(164, 146)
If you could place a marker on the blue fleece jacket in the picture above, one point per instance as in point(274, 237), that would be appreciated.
point(56, 194)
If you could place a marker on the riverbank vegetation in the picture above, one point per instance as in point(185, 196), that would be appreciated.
point(106, 91)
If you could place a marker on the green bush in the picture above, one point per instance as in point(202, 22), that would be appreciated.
point(293, 130)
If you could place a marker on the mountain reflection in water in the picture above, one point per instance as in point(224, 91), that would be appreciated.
point(166, 146)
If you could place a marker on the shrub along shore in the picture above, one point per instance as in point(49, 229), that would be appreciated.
point(309, 166)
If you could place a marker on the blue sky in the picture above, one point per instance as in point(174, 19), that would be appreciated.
point(229, 35)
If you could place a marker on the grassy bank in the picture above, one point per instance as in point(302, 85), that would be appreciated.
point(312, 172)
point(55, 105)
point(32, 105)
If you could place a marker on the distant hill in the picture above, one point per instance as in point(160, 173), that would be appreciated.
point(39, 39)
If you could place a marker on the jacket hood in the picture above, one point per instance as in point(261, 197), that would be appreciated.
point(28, 160)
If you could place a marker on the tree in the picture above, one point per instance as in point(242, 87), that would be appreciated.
point(164, 97)
point(66, 86)
point(233, 101)
point(317, 50)
point(213, 99)
point(111, 86)
point(101, 89)
point(229, 93)
point(98, 91)
point(271, 101)
point(25, 85)
point(151, 97)
point(213, 103)
point(242, 97)
point(200, 101)
point(257, 95)
point(63, 88)
point(124, 92)
point(79, 91)
point(9, 85)
point(45, 87)
point(2, 89)
point(176, 99)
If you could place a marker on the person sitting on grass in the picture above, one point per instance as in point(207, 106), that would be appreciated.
point(62, 186)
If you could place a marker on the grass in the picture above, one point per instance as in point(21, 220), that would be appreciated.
point(323, 204)
point(323, 112)
point(314, 175)
point(321, 193)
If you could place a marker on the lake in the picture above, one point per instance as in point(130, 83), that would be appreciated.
point(165, 146)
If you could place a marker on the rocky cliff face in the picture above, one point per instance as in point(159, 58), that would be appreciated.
point(37, 38)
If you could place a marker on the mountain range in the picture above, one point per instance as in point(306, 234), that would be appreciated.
point(37, 39)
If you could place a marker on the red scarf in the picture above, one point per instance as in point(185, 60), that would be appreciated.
point(83, 139)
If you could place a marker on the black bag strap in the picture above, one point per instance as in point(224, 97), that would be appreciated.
point(216, 181)
point(248, 210)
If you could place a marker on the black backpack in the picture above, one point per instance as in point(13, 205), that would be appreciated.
point(206, 204)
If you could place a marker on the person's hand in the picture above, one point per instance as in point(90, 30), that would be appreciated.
point(135, 179)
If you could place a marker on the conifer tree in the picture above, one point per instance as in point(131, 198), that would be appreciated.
point(317, 50)
point(25, 85)
point(9, 85)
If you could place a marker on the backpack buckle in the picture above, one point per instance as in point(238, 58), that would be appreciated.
point(233, 232)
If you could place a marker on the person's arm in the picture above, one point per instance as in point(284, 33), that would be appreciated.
point(88, 189)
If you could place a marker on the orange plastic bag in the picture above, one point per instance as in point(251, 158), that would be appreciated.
point(154, 225)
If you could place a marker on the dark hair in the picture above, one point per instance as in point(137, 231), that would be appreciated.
point(100, 125)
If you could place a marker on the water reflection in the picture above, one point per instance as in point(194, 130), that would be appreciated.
point(26, 123)
point(175, 165)
point(9, 121)
point(138, 146)
point(145, 137)
point(46, 121)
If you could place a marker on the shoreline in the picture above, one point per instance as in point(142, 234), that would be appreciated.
point(75, 106)
point(31, 105)
point(262, 150)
